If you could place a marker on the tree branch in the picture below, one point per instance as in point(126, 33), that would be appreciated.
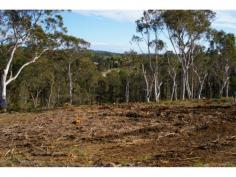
point(10, 59)
point(23, 66)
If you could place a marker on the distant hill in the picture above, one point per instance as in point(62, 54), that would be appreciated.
point(106, 53)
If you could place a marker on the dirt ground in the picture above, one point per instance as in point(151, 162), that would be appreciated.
point(135, 134)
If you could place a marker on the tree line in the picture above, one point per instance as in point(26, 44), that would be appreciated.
point(179, 56)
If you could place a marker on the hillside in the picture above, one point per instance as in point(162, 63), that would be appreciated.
point(183, 134)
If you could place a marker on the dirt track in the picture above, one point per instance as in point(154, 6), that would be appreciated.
point(121, 135)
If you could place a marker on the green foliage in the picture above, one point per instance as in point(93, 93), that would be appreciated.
point(103, 77)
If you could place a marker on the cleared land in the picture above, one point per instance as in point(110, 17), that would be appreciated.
point(137, 134)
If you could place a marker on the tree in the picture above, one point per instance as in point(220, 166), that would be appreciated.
point(33, 29)
point(150, 23)
point(158, 46)
point(71, 46)
point(185, 29)
point(223, 45)
point(201, 68)
point(172, 71)
point(129, 68)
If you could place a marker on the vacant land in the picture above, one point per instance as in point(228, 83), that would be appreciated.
point(136, 134)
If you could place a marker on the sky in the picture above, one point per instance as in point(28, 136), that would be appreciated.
point(112, 30)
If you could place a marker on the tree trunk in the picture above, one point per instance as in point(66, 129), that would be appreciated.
point(192, 86)
point(187, 85)
point(70, 83)
point(200, 90)
point(224, 84)
point(157, 87)
point(148, 99)
point(227, 89)
point(127, 91)
point(148, 86)
point(174, 90)
point(201, 82)
point(183, 85)
point(3, 92)
point(35, 98)
point(210, 89)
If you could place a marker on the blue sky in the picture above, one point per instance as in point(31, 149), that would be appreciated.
point(112, 30)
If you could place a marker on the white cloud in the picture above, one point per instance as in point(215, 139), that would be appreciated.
point(225, 19)
point(118, 15)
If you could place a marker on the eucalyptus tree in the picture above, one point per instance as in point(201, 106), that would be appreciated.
point(149, 25)
point(185, 30)
point(33, 29)
point(201, 68)
point(172, 72)
point(129, 68)
point(144, 28)
point(223, 46)
point(38, 81)
point(71, 47)
point(157, 44)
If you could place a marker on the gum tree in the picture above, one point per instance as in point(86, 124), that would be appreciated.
point(185, 30)
point(173, 65)
point(72, 46)
point(223, 48)
point(149, 26)
point(33, 29)
point(201, 67)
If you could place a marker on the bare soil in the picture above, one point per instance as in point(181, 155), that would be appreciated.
point(135, 134)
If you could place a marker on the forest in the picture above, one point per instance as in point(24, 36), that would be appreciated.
point(44, 67)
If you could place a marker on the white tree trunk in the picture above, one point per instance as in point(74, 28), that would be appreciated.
point(183, 85)
point(157, 87)
point(201, 79)
point(4, 74)
point(3, 91)
point(3, 95)
point(174, 88)
point(223, 86)
point(187, 84)
point(226, 79)
point(35, 98)
point(176, 92)
point(172, 73)
point(148, 86)
point(200, 89)
point(227, 89)
point(192, 87)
